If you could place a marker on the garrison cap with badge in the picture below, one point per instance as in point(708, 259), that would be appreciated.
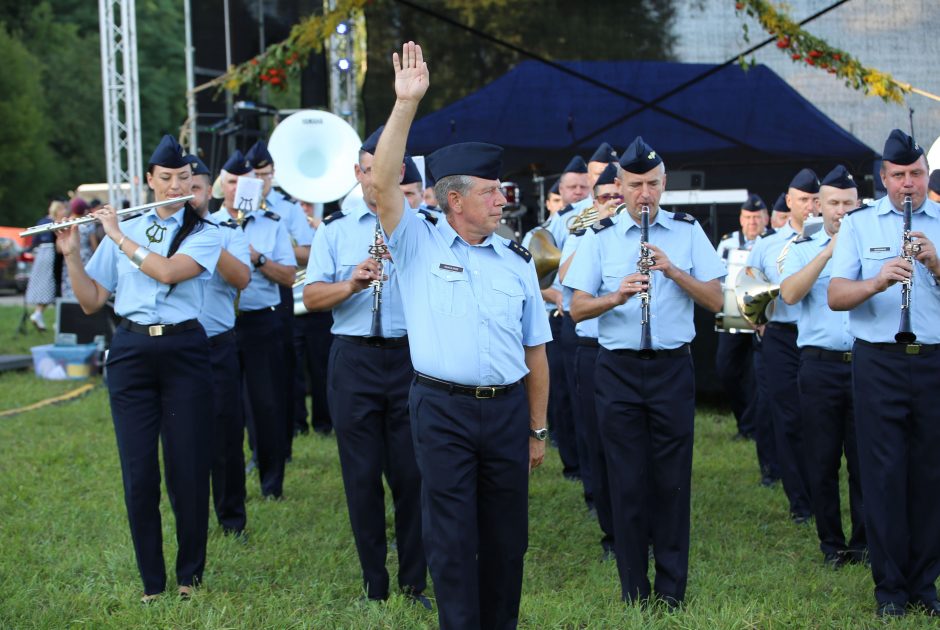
point(754, 203)
point(168, 154)
point(639, 157)
point(372, 141)
point(604, 153)
point(199, 167)
point(554, 189)
point(839, 177)
point(608, 175)
point(901, 149)
point(806, 180)
point(237, 164)
point(412, 174)
point(576, 165)
point(934, 181)
point(781, 204)
point(476, 159)
point(258, 156)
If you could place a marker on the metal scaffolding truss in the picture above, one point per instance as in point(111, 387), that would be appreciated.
point(118, 23)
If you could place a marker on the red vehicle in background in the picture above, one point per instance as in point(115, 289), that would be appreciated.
point(15, 261)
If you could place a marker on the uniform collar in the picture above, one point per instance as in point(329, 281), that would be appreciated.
point(359, 209)
point(929, 207)
point(176, 217)
point(628, 222)
point(820, 237)
point(450, 235)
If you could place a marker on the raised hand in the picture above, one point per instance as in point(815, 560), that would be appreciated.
point(411, 73)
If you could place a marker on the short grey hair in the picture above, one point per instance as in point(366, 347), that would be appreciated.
point(458, 183)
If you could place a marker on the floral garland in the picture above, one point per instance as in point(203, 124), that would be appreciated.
point(284, 59)
point(813, 51)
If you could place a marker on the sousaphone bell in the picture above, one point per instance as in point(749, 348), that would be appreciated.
point(754, 292)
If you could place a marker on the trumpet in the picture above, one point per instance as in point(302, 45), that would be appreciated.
point(643, 265)
point(583, 220)
point(52, 227)
point(909, 249)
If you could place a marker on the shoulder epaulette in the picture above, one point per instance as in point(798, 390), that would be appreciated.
point(565, 210)
point(802, 239)
point(769, 231)
point(865, 207)
point(579, 232)
point(683, 216)
point(519, 249)
point(726, 236)
point(430, 218)
point(229, 224)
point(339, 214)
point(274, 216)
point(286, 196)
point(603, 224)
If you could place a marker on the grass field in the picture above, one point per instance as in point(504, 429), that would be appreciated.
point(66, 559)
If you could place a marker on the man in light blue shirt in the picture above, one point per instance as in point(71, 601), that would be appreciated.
point(780, 358)
point(895, 379)
point(646, 396)
point(825, 376)
point(478, 332)
point(370, 374)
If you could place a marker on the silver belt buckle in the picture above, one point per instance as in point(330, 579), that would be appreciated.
point(481, 392)
point(155, 331)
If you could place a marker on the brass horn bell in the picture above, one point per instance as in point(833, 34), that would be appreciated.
point(546, 255)
point(754, 291)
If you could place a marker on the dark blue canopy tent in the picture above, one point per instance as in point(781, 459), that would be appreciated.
point(544, 114)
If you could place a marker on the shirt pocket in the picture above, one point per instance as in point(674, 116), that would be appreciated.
point(507, 299)
point(874, 258)
point(449, 292)
point(612, 275)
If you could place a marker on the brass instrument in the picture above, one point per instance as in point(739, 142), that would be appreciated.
point(754, 291)
point(546, 255)
point(909, 249)
point(583, 220)
point(377, 250)
point(52, 227)
point(643, 264)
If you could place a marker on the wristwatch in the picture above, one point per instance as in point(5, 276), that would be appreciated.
point(539, 434)
point(261, 260)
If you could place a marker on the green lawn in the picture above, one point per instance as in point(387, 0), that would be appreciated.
point(66, 559)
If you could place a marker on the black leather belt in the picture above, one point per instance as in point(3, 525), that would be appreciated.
point(376, 342)
point(588, 342)
point(266, 309)
point(480, 392)
point(782, 326)
point(217, 340)
point(681, 351)
point(159, 330)
point(839, 356)
point(901, 348)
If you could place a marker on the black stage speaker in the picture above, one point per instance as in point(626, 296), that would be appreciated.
point(69, 318)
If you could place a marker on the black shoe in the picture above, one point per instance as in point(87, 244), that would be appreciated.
point(835, 560)
point(801, 518)
point(890, 610)
point(671, 604)
point(931, 610)
point(273, 497)
point(857, 556)
point(238, 534)
point(607, 554)
point(768, 481)
point(323, 432)
point(301, 431)
point(572, 476)
point(419, 599)
point(740, 437)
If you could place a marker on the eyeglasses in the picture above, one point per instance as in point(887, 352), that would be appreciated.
point(609, 197)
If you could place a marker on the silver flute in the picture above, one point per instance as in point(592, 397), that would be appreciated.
point(53, 227)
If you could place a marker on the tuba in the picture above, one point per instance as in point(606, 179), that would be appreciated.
point(754, 291)
point(545, 255)
point(314, 153)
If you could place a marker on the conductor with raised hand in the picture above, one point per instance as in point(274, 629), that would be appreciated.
point(478, 409)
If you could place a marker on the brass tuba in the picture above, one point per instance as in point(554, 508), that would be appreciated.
point(546, 255)
point(754, 291)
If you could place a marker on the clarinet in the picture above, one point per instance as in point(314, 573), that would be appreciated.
point(908, 249)
point(377, 251)
point(643, 265)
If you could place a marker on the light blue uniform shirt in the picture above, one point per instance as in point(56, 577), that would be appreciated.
point(867, 239)
point(218, 307)
point(269, 237)
point(588, 327)
point(470, 308)
point(140, 298)
point(605, 257)
point(819, 325)
point(764, 256)
point(293, 217)
point(732, 242)
point(339, 245)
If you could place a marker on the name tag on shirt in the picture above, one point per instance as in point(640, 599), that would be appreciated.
point(451, 268)
point(879, 249)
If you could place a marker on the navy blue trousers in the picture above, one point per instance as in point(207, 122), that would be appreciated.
point(646, 415)
point(586, 362)
point(734, 366)
point(228, 434)
point(828, 432)
point(560, 403)
point(368, 393)
point(474, 461)
point(763, 416)
point(569, 347)
point(286, 312)
point(897, 398)
point(261, 355)
point(781, 365)
point(312, 341)
point(157, 387)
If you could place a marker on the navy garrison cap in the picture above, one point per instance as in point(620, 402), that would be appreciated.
point(640, 157)
point(781, 204)
point(412, 174)
point(554, 189)
point(258, 155)
point(576, 165)
point(806, 180)
point(237, 164)
point(168, 154)
point(934, 183)
point(839, 177)
point(372, 141)
point(477, 159)
point(754, 203)
point(199, 167)
point(604, 153)
point(901, 149)
point(607, 175)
